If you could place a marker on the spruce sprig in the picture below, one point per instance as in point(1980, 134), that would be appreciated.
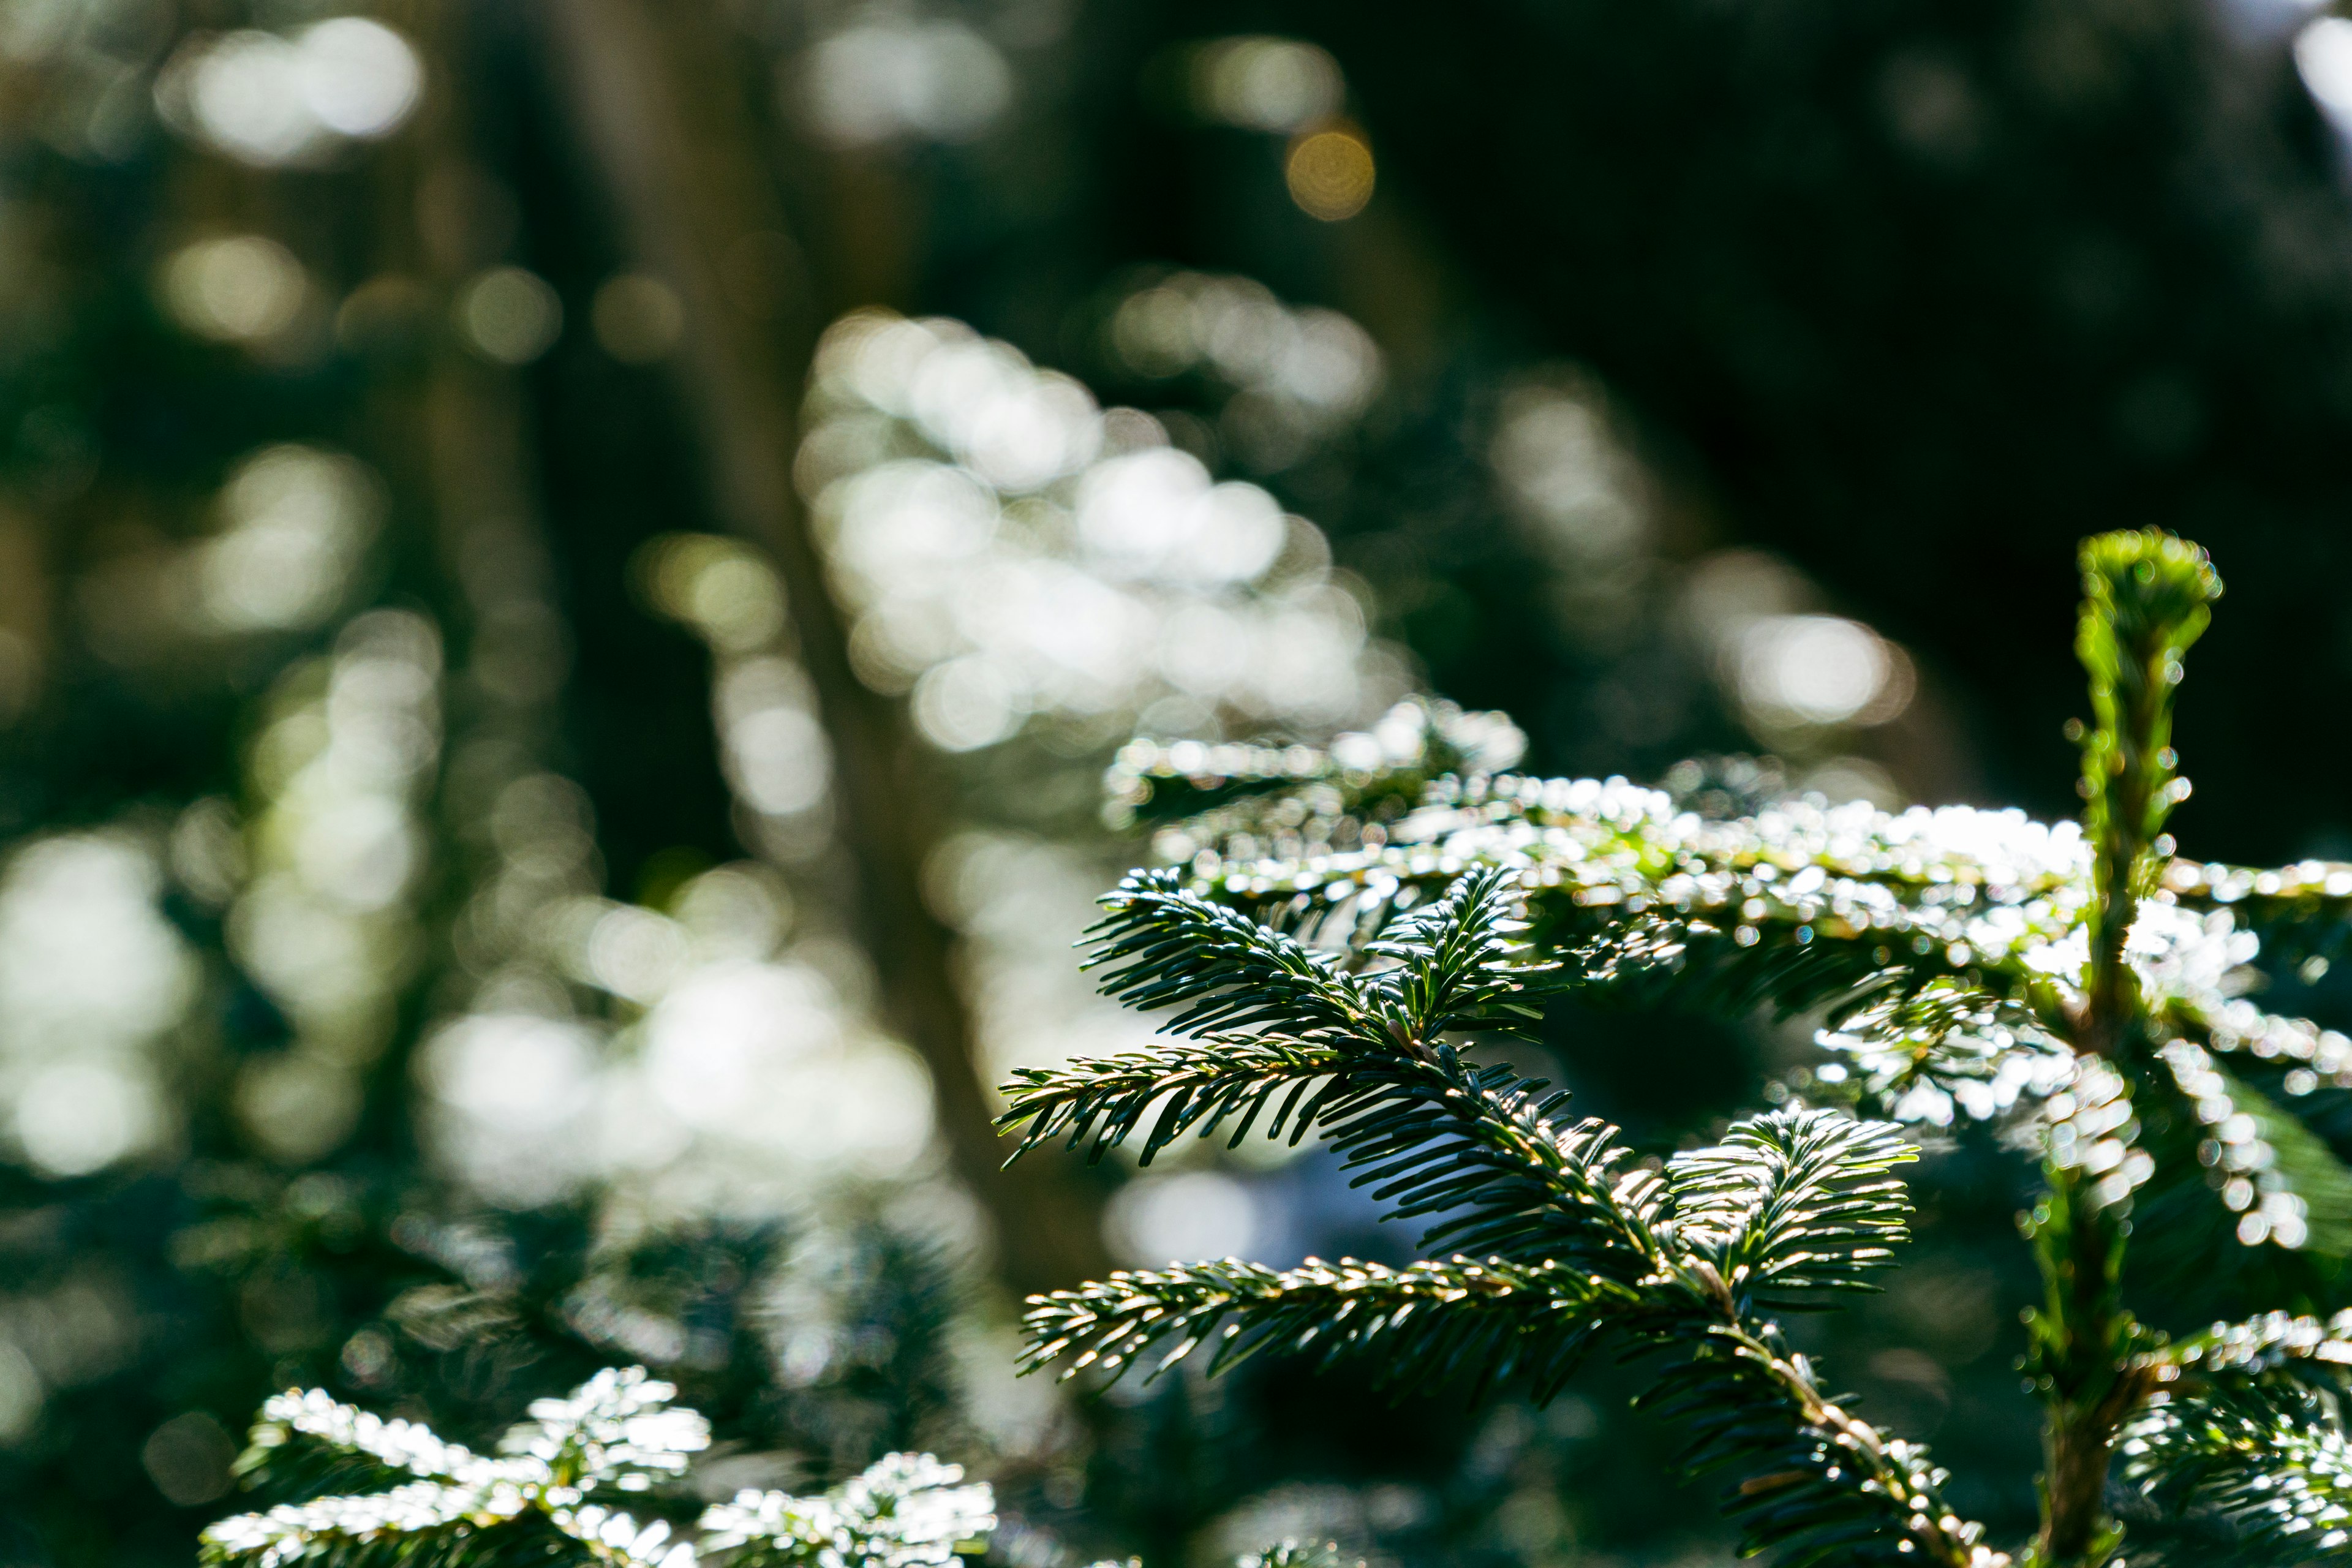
point(547, 1498)
point(2080, 985)
point(1550, 1248)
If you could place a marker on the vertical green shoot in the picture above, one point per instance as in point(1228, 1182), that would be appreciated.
point(2147, 596)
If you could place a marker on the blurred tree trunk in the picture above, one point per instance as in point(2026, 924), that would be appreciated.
point(655, 101)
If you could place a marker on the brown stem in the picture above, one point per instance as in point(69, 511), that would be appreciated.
point(2091, 1395)
point(653, 91)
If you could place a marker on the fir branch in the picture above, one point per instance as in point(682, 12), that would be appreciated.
point(617, 1429)
point(1793, 1201)
point(2235, 1164)
point(906, 1511)
point(1456, 964)
point(420, 1523)
point(2268, 1467)
point(406, 1447)
point(1922, 1050)
point(2272, 1343)
point(1248, 797)
point(1846, 912)
point(617, 1540)
point(1789, 1203)
point(1448, 1324)
point(1797, 1201)
point(1449, 966)
point(1806, 1476)
point(538, 1503)
point(1476, 1149)
point(2235, 1026)
point(2302, 910)
point(2091, 1136)
point(1433, 1133)
point(1164, 946)
point(1197, 1084)
point(615, 1432)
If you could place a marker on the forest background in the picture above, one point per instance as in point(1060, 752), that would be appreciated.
point(571, 571)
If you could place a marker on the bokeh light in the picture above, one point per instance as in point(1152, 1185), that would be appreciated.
point(2323, 54)
point(1331, 174)
point(1818, 669)
point(270, 101)
point(1796, 674)
point(994, 589)
point(636, 319)
point(294, 523)
point(1270, 84)
point(91, 977)
point(1188, 1214)
point(510, 314)
point(323, 922)
point(883, 80)
point(1300, 377)
point(234, 289)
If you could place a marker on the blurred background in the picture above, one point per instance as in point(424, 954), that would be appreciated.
point(570, 572)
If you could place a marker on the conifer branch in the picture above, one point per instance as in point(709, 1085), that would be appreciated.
point(2146, 598)
point(616, 1432)
point(1808, 1477)
point(1790, 1203)
point(1964, 960)
point(2235, 1026)
point(1793, 1201)
point(541, 1501)
point(1877, 922)
point(1249, 799)
point(2303, 909)
point(2235, 1165)
point(1433, 1133)
point(1445, 1323)
point(1201, 1084)
point(2267, 1469)
point(2254, 1349)
point(906, 1511)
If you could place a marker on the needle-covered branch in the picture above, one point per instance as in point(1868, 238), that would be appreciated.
point(1794, 1201)
point(1434, 1133)
point(2258, 1476)
point(1550, 1247)
point(546, 1500)
point(1450, 1324)
point(2077, 983)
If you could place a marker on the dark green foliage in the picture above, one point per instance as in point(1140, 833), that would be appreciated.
point(1431, 1326)
point(2054, 984)
point(1291, 798)
point(2261, 1474)
point(1795, 1204)
point(2184, 1227)
point(1675, 1262)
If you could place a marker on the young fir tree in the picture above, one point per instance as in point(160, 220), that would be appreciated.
point(2078, 986)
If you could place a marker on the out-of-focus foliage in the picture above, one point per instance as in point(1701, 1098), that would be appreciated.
point(569, 575)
